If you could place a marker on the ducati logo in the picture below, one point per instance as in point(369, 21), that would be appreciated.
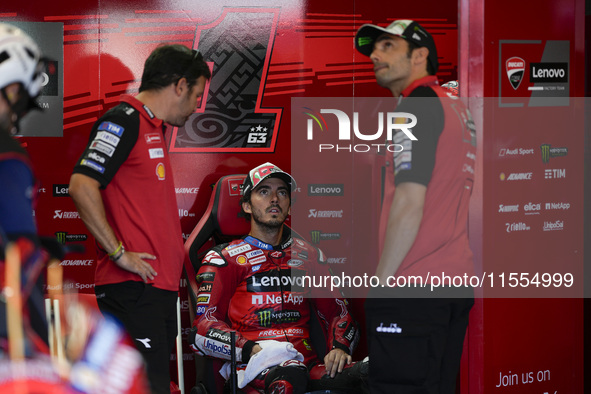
point(515, 68)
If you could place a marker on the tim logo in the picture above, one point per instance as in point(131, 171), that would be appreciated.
point(515, 68)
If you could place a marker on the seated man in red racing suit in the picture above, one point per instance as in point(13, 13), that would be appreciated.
point(255, 286)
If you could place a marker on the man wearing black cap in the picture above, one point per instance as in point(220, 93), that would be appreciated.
point(254, 286)
point(416, 335)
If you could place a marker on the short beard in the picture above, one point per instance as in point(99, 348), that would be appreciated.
point(270, 226)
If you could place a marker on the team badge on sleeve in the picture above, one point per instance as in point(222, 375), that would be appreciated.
point(213, 258)
point(112, 128)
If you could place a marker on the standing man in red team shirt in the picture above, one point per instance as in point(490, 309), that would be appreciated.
point(416, 335)
point(124, 191)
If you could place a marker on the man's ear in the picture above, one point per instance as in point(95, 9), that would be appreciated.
point(181, 86)
point(420, 55)
point(246, 207)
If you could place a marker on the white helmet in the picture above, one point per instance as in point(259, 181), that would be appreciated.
point(20, 60)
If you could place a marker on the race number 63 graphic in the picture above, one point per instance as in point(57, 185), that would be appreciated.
point(237, 47)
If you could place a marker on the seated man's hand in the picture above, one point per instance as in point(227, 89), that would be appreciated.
point(335, 361)
point(255, 349)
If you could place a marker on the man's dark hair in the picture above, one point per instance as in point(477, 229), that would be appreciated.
point(167, 64)
point(411, 47)
point(243, 199)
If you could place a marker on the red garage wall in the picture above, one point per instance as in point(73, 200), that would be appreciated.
point(263, 54)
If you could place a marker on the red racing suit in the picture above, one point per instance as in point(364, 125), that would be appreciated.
point(265, 292)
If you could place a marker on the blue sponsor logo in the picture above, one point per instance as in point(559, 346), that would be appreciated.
point(217, 347)
point(91, 164)
point(112, 128)
point(201, 310)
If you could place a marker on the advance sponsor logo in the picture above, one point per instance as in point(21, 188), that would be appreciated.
point(77, 263)
point(516, 176)
point(336, 260)
point(186, 190)
point(325, 189)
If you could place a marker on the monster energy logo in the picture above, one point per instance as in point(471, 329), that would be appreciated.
point(548, 152)
point(63, 237)
point(317, 236)
point(364, 41)
point(269, 317)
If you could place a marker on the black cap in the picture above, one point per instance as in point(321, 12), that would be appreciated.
point(410, 30)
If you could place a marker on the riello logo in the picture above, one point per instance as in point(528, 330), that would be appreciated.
point(349, 130)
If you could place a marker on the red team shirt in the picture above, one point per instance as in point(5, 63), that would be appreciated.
point(443, 159)
point(127, 154)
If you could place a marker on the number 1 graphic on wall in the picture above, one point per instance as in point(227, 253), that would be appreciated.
point(237, 47)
